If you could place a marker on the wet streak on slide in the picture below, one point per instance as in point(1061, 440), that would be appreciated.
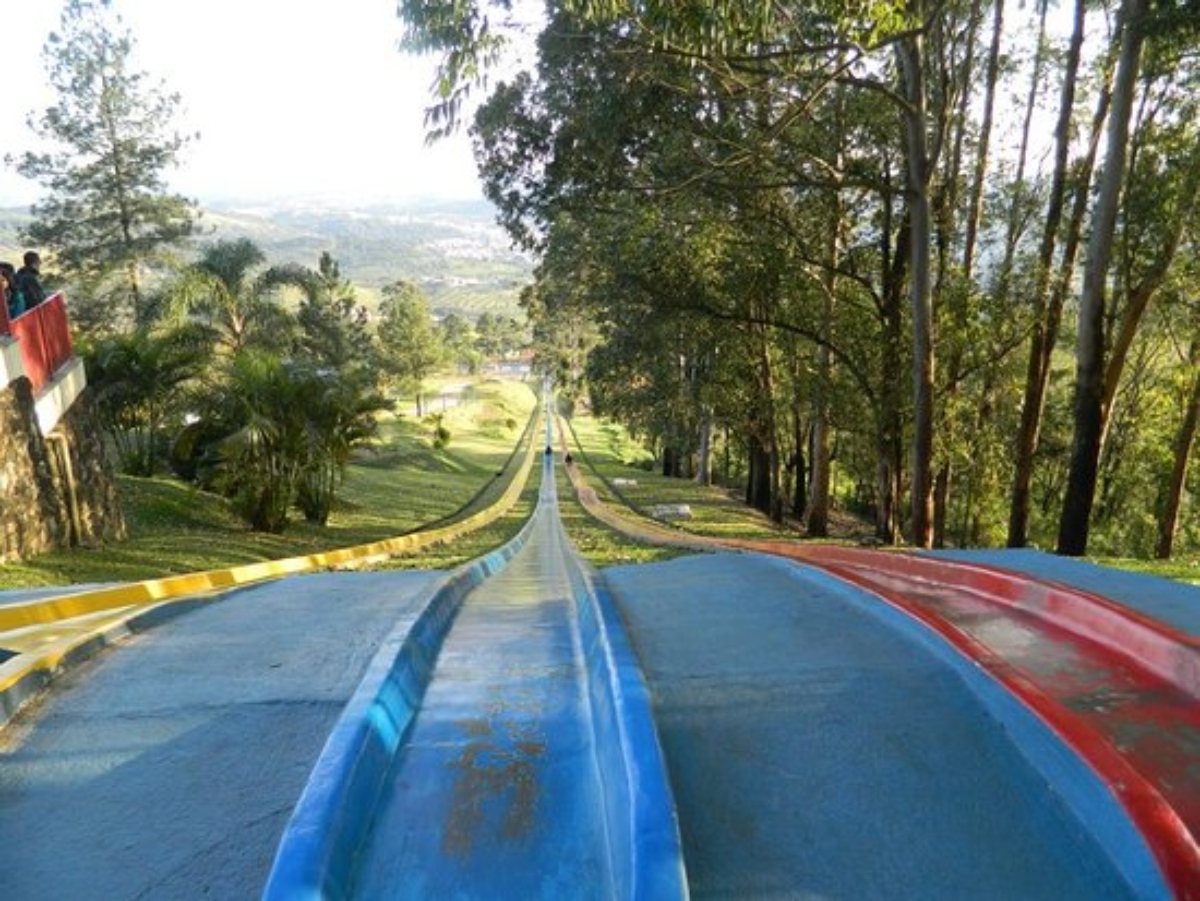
point(529, 768)
point(1121, 689)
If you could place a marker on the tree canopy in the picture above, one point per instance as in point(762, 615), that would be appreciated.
point(764, 215)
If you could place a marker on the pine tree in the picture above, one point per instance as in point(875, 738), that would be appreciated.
point(108, 213)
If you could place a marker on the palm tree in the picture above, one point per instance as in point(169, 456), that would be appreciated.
point(280, 432)
point(140, 379)
point(257, 410)
point(341, 412)
point(228, 293)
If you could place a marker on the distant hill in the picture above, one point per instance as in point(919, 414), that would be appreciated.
point(453, 250)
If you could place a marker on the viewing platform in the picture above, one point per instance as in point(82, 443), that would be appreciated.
point(38, 345)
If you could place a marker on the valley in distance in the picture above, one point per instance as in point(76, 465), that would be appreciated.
point(453, 250)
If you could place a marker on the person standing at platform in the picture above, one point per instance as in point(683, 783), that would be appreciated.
point(11, 297)
point(29, 280)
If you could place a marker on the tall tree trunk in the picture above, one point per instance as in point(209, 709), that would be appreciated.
point(975, 208)
point(1089, 349)
point(817, 525)
point(941, 500)
point(704, 457)
point(890, 449)
point(945, 471)
point(1012, 231)
point(911, 59)
point(1138, 296)
point(889, 427)
point(764, 440)
point(1046, 315)
point(758, 488)
point(800, 466)
point(1168, 523)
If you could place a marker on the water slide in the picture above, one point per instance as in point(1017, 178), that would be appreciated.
point(822, 744)
point(1120, 688)
point(818, 743)
point(824, 736)
point(1098, 698)
point(500, 747)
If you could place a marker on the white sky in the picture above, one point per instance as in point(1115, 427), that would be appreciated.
point(293, 99)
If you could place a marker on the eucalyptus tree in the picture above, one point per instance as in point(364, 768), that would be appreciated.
point(1089, 350)
point(1159, 202)
point(578, 177)
point(1104, 334)
point(455, 336)
point(966, 175)
point(1171, 490)
point(778, 61)
point(653, 361)
point(1049, 290)
point(108, 212)
point(563, 324)
point(498, 335)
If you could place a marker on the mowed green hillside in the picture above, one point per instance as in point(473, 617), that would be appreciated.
point(453, 251)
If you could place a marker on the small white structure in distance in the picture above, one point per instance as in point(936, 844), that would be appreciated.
point(669, 512)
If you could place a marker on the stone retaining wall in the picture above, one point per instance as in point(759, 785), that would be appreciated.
point(58, 490)
point(97, 506)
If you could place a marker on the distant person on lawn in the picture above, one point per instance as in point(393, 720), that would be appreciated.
point(29, 280)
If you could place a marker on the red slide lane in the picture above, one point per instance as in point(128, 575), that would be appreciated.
point(1121, 689)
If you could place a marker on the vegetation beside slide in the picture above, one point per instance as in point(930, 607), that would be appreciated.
point(400, 484)
point(609, 457)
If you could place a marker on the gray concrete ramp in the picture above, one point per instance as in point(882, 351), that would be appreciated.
point(820, 745)
point(169, 768)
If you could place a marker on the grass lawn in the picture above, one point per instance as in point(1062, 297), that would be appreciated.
point(609, 454)
point(610, 461)
point(1180, 570)
point(597, 543)
point(401, 484)
point(480, 541)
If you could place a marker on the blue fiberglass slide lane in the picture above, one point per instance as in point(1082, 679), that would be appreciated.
point(496, 783)
point(531, 769)
point(821, 745)
point(500, 747)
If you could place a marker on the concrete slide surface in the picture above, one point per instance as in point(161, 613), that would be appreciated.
point(169, 768)
point(819, 747)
